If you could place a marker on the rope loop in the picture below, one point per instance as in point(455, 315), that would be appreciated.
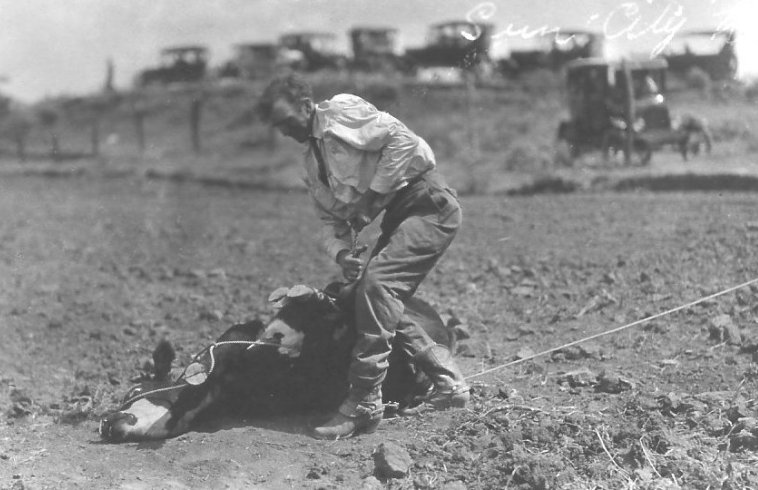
point(249, 343)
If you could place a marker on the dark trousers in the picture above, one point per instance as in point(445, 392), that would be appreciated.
point(418, 226)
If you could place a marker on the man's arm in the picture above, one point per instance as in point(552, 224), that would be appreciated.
point(368, 206)
point(334, 235)
point(336, 238)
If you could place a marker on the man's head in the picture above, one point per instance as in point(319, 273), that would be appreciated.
point(287, 104)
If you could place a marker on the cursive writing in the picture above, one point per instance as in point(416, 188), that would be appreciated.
point(486, 10)
point(627, 20)
point(669, 21)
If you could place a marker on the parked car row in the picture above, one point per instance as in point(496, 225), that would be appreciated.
point(458, 45)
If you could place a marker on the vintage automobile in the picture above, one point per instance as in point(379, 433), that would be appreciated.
point(554, 50)
point(598, 119)
point(713, 52)
point(375, 49)
point(457, 45)
point(177, 64)
point(318, 50)
point(253, 61)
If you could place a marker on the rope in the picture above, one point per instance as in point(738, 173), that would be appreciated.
point(249, 343)
point(139, 396)
point(617, 329)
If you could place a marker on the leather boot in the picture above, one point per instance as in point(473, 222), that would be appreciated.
point(450, 388)
point(359, 413)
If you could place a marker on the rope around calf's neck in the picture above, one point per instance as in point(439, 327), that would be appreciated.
point(614, 330)
point(249, 343)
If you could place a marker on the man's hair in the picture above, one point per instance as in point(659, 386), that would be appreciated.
point(292, 88)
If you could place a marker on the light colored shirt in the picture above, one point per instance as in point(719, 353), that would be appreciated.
point(363, 148)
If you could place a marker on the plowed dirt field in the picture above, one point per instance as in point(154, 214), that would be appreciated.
point(94, 271)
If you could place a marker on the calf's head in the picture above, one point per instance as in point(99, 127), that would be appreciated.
point(155, 411)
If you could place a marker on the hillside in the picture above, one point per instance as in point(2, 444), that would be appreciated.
point(485, 139)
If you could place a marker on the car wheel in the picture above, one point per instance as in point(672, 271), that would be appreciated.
point(564, 153)
point(643, 152)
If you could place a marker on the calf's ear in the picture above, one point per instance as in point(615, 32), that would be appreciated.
point(300, 291)
point(282, 296)
point(163, 356)
point(278, 294)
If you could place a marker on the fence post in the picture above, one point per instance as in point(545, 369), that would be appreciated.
point(55, 147)
point(196, 112)
point(629, 111)
point(20, 126)
point(95, 136)
point(471, 98)
point(21, 147)
point(49, 118)
point(99, 106)
point(138, 110)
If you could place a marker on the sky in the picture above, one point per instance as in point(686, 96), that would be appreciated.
point(62, 47)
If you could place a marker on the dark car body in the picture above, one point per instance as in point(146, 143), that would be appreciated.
point(554, 50)
point(711, 51)
point(458, 44)
point(318, 50)
point(177, 64)
point(258, 61)
point(375, 48)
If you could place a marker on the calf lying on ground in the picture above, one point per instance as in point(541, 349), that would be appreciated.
point(297, 363)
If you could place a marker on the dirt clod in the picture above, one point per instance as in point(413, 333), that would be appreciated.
point(391, 461)
point(578, 378)
point(608, 382)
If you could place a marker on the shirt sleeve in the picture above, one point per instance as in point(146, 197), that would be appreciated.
point(334, 234)
point(359, 124)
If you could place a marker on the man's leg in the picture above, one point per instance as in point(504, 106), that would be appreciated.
point(436, 361)
point(391, 277)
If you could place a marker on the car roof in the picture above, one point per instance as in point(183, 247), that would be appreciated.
point(706, 32)
point(461, 22)
point(373, 29)
point(256, 45)
point(311, 34)
point(179, 49)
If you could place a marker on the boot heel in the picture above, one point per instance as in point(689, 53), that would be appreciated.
point(452, 399)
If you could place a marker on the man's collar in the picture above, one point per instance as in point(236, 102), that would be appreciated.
point(315, 124)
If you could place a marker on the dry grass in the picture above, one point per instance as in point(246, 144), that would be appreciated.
point(479, 137)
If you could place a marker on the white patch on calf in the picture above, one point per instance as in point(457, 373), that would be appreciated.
point(289, 339)
point(151, 420)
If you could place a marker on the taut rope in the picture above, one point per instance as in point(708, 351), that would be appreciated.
point(617, 329)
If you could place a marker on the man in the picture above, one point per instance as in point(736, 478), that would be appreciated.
point(360, 162)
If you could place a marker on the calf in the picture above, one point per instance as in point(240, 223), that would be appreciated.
point(298, 363)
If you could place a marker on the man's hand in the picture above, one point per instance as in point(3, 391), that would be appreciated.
point(359, 222)
point(352, 267)
point(365, 210)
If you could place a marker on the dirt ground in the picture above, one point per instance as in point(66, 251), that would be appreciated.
point(93, 272)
